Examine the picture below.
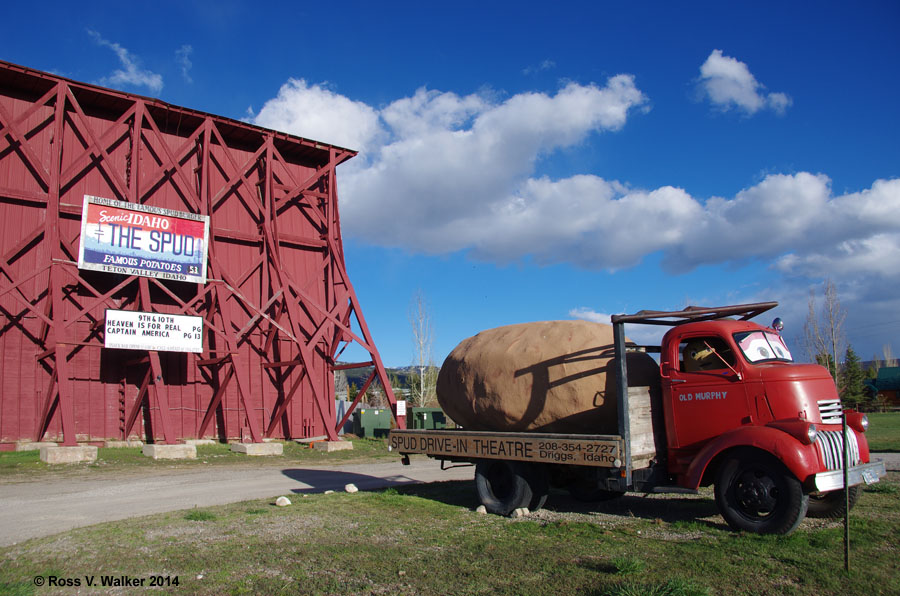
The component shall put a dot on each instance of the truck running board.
(671, 490)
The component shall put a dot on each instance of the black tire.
(539, 481)
(831, 505)
(503, 486)
(756, 493)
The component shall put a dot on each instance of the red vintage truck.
(731, 409)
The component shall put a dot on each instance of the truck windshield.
(759, 346)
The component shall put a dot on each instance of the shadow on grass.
(458, 493)
(669, 509)
(316, 480)
(461, 493)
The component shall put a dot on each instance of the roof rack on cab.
(695, 313)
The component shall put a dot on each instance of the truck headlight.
(812, 433)
(856, 420)
(803, 431)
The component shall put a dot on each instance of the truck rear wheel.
(831, 505)
(504, 486)
(539, 481)
(756, 493)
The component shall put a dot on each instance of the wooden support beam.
(138, 401)
(214, 402)
(355, 402)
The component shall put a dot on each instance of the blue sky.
(532, 161)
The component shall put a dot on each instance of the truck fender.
(802, 460)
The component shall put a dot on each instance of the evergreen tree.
(871, 372)
(825, 359)
(852, 380)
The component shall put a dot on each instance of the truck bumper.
(834, 479)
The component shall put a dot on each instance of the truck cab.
(740, 413)
(718, 376)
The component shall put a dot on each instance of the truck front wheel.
(504, 486)
(831, 505)
(756, 493)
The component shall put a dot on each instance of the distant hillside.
(358, 376)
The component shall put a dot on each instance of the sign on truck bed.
(582, 450)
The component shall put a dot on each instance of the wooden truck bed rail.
(461, 445)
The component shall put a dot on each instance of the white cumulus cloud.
(316, 112)
(131, 73)
(183, 57)
(586, 314)
(728, 83)
(441, 173)
(797, 221)
(640, 334)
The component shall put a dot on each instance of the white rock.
(351, 488)
(282, 501)
(520, 512)
(329, 492)
(482, 510)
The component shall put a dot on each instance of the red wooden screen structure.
(277, 306)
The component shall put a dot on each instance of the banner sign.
(119, 237)
(582, 450)
(135, 330)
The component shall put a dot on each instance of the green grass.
(884, 432)
(427, 540)
(27, 465)
(199, 515)
(626, 564)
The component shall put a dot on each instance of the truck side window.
(699, 354)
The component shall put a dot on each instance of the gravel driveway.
(46, 507)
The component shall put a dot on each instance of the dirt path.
(35, 509)
(891, 460)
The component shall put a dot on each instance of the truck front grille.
(830, 411)
(831, 446)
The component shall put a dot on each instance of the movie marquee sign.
(134, 239)
(134, 330)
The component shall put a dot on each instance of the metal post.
(622, 397)
(846, 466)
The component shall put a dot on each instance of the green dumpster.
(428, 418)
(372, 422)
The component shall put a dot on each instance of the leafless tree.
(889, 359)
(423, 338)
(824, 335)
(340, 384)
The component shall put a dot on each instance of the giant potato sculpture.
(552, 376)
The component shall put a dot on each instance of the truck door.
(704, 391)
